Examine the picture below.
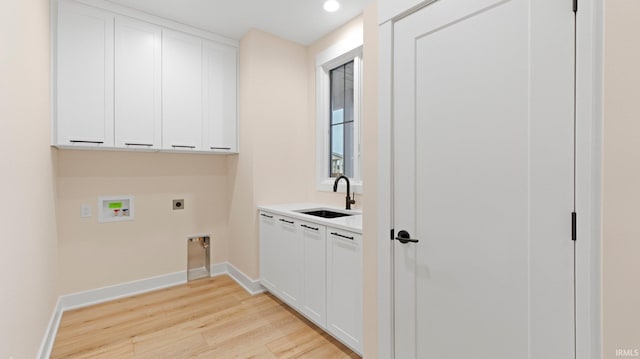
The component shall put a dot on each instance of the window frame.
(331, 58)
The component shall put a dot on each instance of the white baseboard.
(50, 334)
(105, 294)
(252, 286)
(219, 269)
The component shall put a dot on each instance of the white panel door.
(219, 131)
(388, 9)
(138, 81)
(314, 271)
(269, 252)
(483, 126)
(85, 76)
(344, 286)
(181, 91)
(290, 259)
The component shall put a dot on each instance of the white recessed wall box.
(115, 209)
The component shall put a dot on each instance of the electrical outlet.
(85, 211)
(178, 204)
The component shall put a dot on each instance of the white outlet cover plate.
(85, 211)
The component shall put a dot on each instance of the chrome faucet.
(349, 201)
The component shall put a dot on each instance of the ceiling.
(301, 21)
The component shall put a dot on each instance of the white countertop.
(348, 223)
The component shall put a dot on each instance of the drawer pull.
(221, 148)
(139, 144)
(93, 142)
(180, 146)
(308, 227)
(266, 215)
(285, 221)
(340, 235)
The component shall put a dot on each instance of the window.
(341, 121)
(338, 116)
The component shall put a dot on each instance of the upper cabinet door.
(138, 81)
(85, 76)
(181, 91)
(220, 70)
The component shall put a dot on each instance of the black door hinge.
(574, 226)
(575, 5)
(393, 234)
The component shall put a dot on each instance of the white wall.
(28, 270)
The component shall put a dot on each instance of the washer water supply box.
(115, 209)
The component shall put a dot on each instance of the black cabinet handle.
(179, 146)
(285, 221)
(220, 148)
(266, 215)
(93, 142)
(308, 227)
(340, 235)
(139, 144)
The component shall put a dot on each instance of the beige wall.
(94, 254)
(277, 160)
(353, 28)
(621, 176)
(28, 275)
(366, 26)
(273, 160)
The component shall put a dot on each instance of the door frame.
(589, 107)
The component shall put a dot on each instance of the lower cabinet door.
(344, 286)
(289, 258)
(269, 248)
(314, 283)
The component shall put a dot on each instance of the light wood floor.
(208, 318)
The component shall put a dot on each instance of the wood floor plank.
(208, 318)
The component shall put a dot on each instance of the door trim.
(589, 94)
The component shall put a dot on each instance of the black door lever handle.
(404, 237)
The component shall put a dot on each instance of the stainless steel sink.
(325, 213)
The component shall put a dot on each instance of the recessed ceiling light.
(331, 5)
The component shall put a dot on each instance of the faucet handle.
(353, 198)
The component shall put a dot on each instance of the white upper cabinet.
(181, 91)
(138, 81)
(84, 77)
(128, 80)
(220, 69)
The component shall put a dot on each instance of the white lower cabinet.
(314, 284)
(290, 260)
(316, 270)
(269, 244)
(344, 286)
